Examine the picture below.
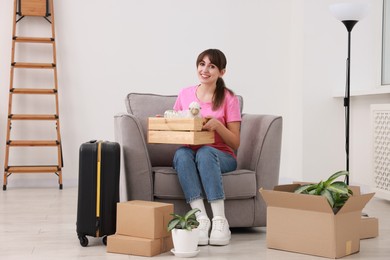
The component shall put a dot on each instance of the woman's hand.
(212, 124)
(229, 134)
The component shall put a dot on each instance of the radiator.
(380, 123)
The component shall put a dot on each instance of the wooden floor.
(41, 224)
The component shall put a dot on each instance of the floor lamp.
(349, 14)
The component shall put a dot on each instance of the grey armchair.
(147, 173)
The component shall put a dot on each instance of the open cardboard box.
(178, 131)
(306, 223)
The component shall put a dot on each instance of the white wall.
(107, 49)
(284, 57)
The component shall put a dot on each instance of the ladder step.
(32, 169)
(33, 91)
(32, 117)
(34, 39)
(33, 143)
(27, 65)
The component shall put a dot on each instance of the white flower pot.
(185, 241)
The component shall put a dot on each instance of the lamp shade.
(349, 11)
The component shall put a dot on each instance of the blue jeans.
(202, 171)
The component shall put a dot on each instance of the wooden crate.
(178, 131)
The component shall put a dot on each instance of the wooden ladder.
(22, 9)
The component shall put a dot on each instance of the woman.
(200, 168)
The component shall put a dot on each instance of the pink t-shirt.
(229, 111)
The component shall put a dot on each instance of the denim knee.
(206, 153)
(182, 154)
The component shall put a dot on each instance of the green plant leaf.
(305, 189)
(190, 213)
(335, 176)
(183, 223)
(328, 195)
(193, 223)
(341, 200)
(175, 215)
(339, 187)
(319, 188)
(192, 217)
(172, 224)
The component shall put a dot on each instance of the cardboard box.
(306, 223)
(369, 227)
(138, 246)
(178, 131)
(143, 219)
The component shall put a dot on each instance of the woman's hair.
(217, 58)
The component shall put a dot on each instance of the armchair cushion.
(238, 184)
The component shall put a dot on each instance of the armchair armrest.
(259, 151)
(136, 181)
(260, 148)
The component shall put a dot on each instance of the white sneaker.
(204, 229)
(220, 233)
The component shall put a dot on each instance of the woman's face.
(208, 73)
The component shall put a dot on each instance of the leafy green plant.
(336, 192)
(188, 221)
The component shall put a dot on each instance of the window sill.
(382, 90)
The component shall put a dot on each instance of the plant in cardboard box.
(336, 192)
(185, 234)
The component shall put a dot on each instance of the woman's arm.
(229, 134)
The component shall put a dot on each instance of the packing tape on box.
(348, 247)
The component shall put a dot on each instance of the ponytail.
(219, 94)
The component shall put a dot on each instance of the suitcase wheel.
(105, 240)
(83, 241)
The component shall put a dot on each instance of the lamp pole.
(349, 24)
(349, 14)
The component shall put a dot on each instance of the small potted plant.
(336, 192)
(185, 235)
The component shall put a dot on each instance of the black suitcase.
(98, 190)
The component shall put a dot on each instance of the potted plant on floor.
(336, 192)
(185, 235)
